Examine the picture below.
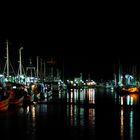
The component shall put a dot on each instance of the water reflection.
(131, 124)
(73, 115)
(130, 99)
(81, 118)
(81, 96)
(127, 124)
(100, 97)
(91, 95)
(122, 124)
(111, 107)
(74, 120)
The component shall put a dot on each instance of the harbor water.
(76, 113)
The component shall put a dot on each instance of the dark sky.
(86, 41)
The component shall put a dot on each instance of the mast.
(31, 71)
(44, 70)
(20, 62)
(7, 56)
(7, 64)
(51, 63)
(63, 71)
(37, 67)
(41, 73)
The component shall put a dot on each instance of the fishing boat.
(4, 104)
(16, 95)
(126, 83)
(28, 97)
(4, 99)
(127, 90)
(16, 101)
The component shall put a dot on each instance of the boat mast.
(44, 70)
(37, 65)
(31, 71)
(7, 64)
(63, 71)
(7, 56)
(51, 62)
(20, 62)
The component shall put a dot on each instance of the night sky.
(89, 42)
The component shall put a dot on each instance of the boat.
(16, 95)
(4, 99)
(28, 98)
(4, 104)
(127, 90)
(125, 83)
(17, 101)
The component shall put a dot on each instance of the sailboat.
(4, 96)
(4, 104)
(13, 89)
(123, 83)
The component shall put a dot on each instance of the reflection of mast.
(122, 124)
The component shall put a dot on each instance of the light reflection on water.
(81, 96)
(131, 124)
(76, 120)
(127, 100)
(122, 124)
(91, 96)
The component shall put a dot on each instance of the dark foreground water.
(80, 114)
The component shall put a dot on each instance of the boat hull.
(17, 101)
(125, 91)
(4, 104)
